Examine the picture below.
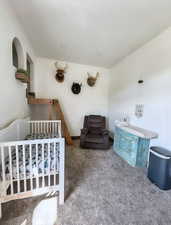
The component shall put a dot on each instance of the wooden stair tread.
(42, 101)
(22, 77)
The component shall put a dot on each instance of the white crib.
(31, 167)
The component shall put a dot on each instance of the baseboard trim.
(78, 137)
(75, 137)
(111, 138)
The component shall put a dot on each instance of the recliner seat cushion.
(94, 138)
(95, 131)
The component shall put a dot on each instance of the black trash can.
(159, 168)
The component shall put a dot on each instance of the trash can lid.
(161, 151)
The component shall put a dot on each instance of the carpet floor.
(101, 189)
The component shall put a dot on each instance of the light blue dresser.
(132, 148)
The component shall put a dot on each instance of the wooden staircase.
(53, 105)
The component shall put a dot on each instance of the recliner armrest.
(105, 132)
(84, 131)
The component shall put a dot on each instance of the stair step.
(53, 104)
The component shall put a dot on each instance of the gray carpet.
(101, 189)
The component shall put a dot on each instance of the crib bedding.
(41, 136)
(32, 169)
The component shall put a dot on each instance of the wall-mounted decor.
(17, 54)
(60, 71)
(22, 75)
(76, 88)
(92, 80)
(139, 110)
(140, 81)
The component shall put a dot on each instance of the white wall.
(152, 63)
(12, 92)
(91, 100)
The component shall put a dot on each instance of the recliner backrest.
(94, 123)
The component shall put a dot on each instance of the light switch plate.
(139, 110)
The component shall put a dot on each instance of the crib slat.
(10, 164)
(37, 166)
(24, 168)
(33, 128)
(43, 127)
(43, 160)
(48, 164)
(53, 128)
(46, 128)
(56, 128)
(48, 124)
(40, 127)
(61, 170)
(31, 180)
(30, 130)
(17, 164)
(3, 164)
(54, 155)
(59, 129)
(37, 127)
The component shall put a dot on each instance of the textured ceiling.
(94, 32)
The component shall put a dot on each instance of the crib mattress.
(45, 164)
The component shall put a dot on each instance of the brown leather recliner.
(94, 135)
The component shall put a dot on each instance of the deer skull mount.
(92, 80)
(76, 88)
(60, 71)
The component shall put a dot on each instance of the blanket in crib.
(45, 164)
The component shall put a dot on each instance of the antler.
(66, 67)
(61, 66)
(56, 64)
(88, 74)
(97, 75)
